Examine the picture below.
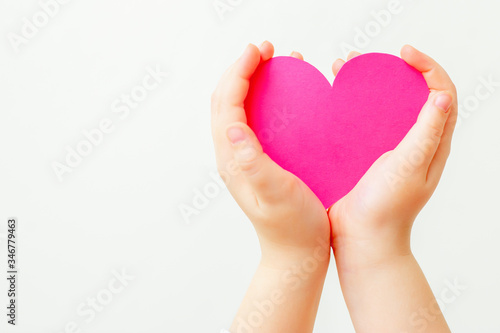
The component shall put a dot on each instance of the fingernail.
(262, 44)
(443, 101)
(236, 135)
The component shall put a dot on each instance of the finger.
(297, 55)
(229, 96)
(435, 76)
(416, 151)
(233, 86)
(259, 172)
(353, 54)
(438, 80)
(443, 152)
(266, 50)
(337, 65)
(228, 99)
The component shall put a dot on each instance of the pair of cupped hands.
(372, 223)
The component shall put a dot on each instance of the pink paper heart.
(326, 135)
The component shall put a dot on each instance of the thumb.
(420, 144)
(263, 175)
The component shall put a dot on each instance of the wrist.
(362, 250)
(308, 258)
(297, 274)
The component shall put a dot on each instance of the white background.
(119, 209)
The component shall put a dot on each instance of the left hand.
(290, 221)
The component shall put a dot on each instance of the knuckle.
(426, 147)
(247, 159)
(249, 166)
(435, 131)
(253, 166)
(435, 126)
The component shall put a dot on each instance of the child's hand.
(383, 285)
(378, 213)
(291, 223)
(289, 219)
